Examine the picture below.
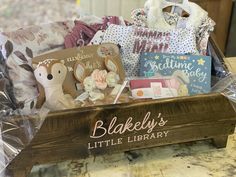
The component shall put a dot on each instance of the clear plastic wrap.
(16, 129)
(219, 69)
(18, 122)
(6, 92)
(227, 87)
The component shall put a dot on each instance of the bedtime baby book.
(193, 71)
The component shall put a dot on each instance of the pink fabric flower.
(100, 78)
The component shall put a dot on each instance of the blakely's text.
(130, 131)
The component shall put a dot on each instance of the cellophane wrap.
(16, 130)
(227, 87)
(219, 69)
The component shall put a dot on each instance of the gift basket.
(94, 86)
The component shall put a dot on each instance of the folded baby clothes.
(18, 49)
(134, 40)
(203, 35)
(139, 17)
(80, 35)
(97, 38)
(154, 17)
(83, 32)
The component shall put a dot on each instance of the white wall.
(111, 7)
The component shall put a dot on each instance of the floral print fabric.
(20, 46)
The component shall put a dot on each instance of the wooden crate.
(79, 133)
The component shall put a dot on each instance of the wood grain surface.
(65, 135)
